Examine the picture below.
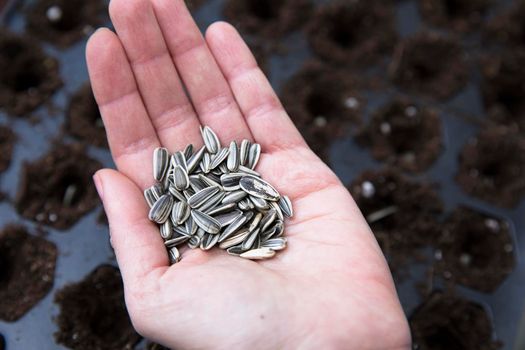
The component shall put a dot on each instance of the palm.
(330, 285)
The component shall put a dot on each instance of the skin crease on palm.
(330, 289)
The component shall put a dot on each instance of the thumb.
(136, 240)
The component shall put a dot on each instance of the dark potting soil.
(7, 142)
(58, 189)
(476, 250)
(503, 89)
(508, 27)
(410, 213)
(353, 32)
(415, 68)
(93, 313)
(404, 134)
(83, 119)
(28, 77)
(267, 18)
(324, 104)
(459, 15)
(28, 271)
(447, 322)
(492, 166)
(64, 22)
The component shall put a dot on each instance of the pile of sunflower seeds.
(214, 197)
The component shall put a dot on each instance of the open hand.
(330, 289)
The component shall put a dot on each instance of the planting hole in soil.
(7, 141)
(402, 213)
(28, 270)
(324, 104)
(57, 189)
(354, 32)
(416, 69)
(492, 166)
(269, 18)
(502, 87)
(447, 322)
(460, 15)
(63, 22)
(83, 119)
(477, 250)
(28, 77)
(404, 134)
(93, 313)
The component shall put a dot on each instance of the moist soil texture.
(448, 322)
(415, 68)
(267, 18)
(508, 27)
(503, 88)
(324, 103)
(402, 213)
(28, 77)
(28, 271)
(353, 32)
(404, 134)
(7, 142)
(83, 119)
(57, 190)
(64, 22)
(477, 250)
(492, 166)
(459, 15)
(93, 313)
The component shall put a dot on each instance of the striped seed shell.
(194, 242)
(259, 203)
(200, 233)
(235, 239)
(160, 163)
(206, 222)
(212, 202)
(179, 229)
(222, 208)
(209, 181)
(150, 197)
(259, 188)
(174, 255)
(268, 218)
(243, 151)
(248, 171)
(233, 157)
(234, 197)
(205, 163)
(230, 182)
(166, 230)
(275, 206)
(254, 155)
(180, 178)
(235, 250)
(245, 204)
(175, 193)
(255, 222)
(157, 190)
(196, 183)
(223, 168)
(190, 226)
(227, 218)
(202, 196)
(180, 212)
(250, 240)
(195, 159)
(258, 254)
(232, 228)
(275, 243)
(188, 151)
(219, 157)
(161, 210)
(211, 141)
(286, 206)
(176, 241)
(188, 193)
(209, 241)
(178, 158)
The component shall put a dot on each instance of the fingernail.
(99, 186)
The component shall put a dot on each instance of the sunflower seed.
(176, 241)
(179, 229)
(254, 155)
(259, 188)
(196, 184)
(286, 206)
(208, 181)
(188, 151)
(230, 182)
(222, 209)
(195, 159)
(233, 227)
(255, 222)
(180, 212)
(180, 178)
(243, 152)
(211, 141)
(160, 163)
(157, 190)
(245, 204)
(150, 197)
(205, 163)
(235, 251)
(258, 254)
(166, 230)
(175, 193)
(206, 222)
(250, 240)
(200, 233)
(235, 239)
(248, 171)
(274, 231)
(202, 196)
(259, 203)
(174, 255)
(219, 158)
(160, 211)
(178, 158)
(228, 218)
(268, 219)
(194, 242)
(212, 202)
(275, 243)
(209, 241)
(275, 206)
(188, 193)
(223, 168)
(233, 157)
(234, 197)
(190, 226)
